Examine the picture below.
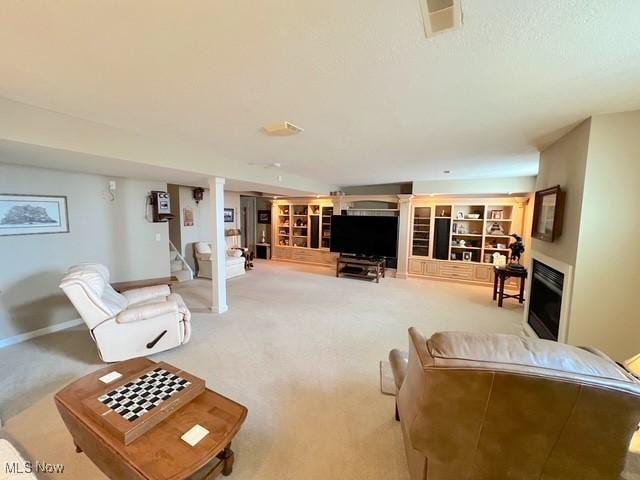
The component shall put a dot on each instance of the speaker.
(441, 238)
(315, 231)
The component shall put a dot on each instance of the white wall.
(564, 163)
(201, 229)
(598, 166)
(606, 301)
(114, 233)
(476, 186)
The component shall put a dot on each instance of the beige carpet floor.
(298, 347)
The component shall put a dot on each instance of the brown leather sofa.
(491, 407)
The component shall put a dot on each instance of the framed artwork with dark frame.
(229, 215)
(33, 214)
(547, 214)
(264, 216)
(496, 215)
(467, 256)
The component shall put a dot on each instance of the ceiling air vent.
(440, 16)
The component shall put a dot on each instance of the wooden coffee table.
(160, 453)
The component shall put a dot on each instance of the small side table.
(263, 250)
(501, 274)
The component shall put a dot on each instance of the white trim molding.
(567, 289)
(23, 337)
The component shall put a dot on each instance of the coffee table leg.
(78, 449)
(495, 284)
(501, 290)
(227, 456)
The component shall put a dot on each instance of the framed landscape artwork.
(33, 214)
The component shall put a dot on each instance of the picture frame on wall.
(547, 214)
(188, 217)
(229, 215)
(264, 216)
(33, 214)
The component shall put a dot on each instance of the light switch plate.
(158, 237)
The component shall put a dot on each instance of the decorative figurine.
(495, 229)
(517, 248)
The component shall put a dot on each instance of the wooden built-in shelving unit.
(477, 228)
(302, 231)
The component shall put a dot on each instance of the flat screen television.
(365, 235)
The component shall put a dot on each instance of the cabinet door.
(482, 273)
(416, 267)
(431, 268)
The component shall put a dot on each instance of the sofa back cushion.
(529, 356)
(91, 295)
(203, 248)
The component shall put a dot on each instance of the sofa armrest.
(399, 361)
(147, 293)
(146, 312)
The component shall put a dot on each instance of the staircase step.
(182, 275)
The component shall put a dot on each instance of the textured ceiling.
(378, 101)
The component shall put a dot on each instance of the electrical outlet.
(158, 237)
(112, 185)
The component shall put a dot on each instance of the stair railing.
(185, 265)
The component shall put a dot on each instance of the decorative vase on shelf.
(262, 238)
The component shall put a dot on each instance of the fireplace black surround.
(545, 300)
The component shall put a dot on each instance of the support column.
(404, 220)
(218, 246)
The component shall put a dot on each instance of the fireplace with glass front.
(545, 300)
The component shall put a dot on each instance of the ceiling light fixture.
(266, 165)
(440, 16)
(282, 129)
(447, 172)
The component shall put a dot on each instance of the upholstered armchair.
(133, 324)
(234, 261)
(491, 407)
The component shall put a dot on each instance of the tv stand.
(361, 267)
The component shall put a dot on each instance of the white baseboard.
(23, 337)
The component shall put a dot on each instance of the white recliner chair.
(135, 323)
(234, 261)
